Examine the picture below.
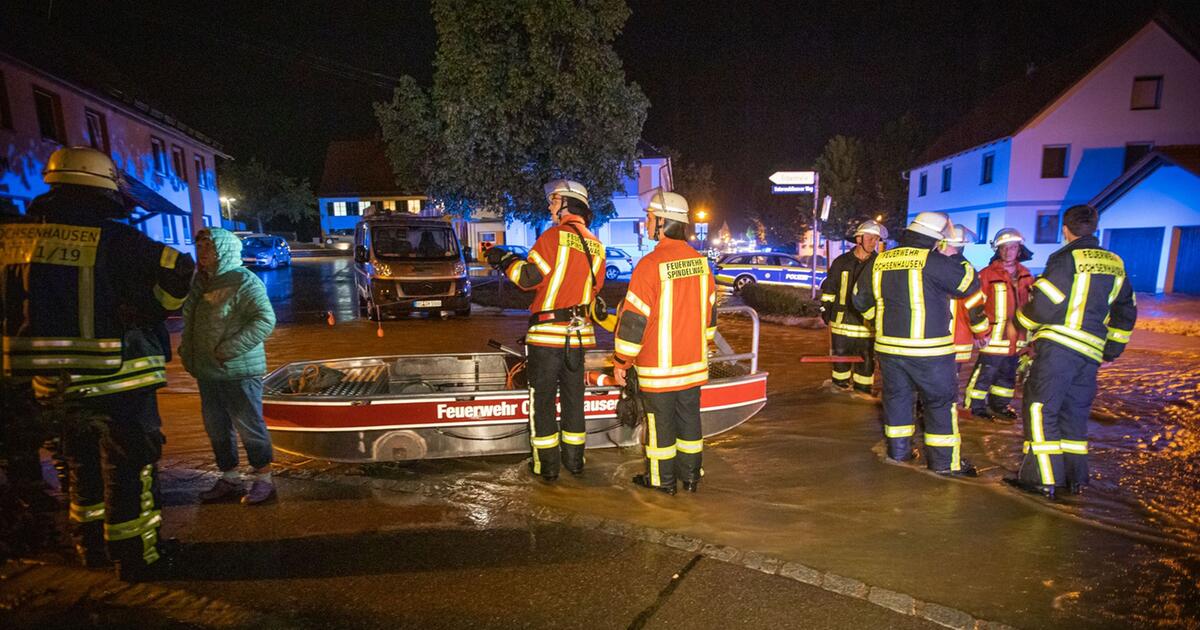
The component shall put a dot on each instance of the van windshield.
(414, 242)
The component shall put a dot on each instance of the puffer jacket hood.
(229, 248)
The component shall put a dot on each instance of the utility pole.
(815, 234)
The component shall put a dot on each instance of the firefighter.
(848, 334)
(968, 320)
(1081, 314)
(907, 292)
(663, 329)
(565, 268)
(87, 324)
(1006, 282)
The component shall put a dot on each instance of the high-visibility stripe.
(514, 271)
(637, 303)
(666, 309)
(710, 333)
(1116, 288)
(560, 340)
(659, 383)
(1049, 290)
(627, 348)
(876, 312)
(1025, 321)
(967, 277)
(850, 330)
(145, 526)
(914, 352)
(861, 379)
(547, 441)
(972, 393)
(1118, 335)
(1074, 447)
(168, 257)
(1038, 433)
(87, 302)
(1001, 312)
(916, 299)
(556, 279)
(674, 370)
(168, 301)
(915, 343)
(845, 281)
(87, 513)
(541, 263)
(825, 297)
(841, 376)
(899, 431)
(652, 440)
(74, 344)
(1077, 305)
(660, 452)
(1082, 336)
(1044, 448)
(979, 327)
(537, 461)
(1006, 392)
(956, 453)
(975, 299)
(689, 446)
(576, 439)
(935, 439)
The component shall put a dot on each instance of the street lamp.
(228, 201)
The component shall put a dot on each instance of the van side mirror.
(360, 253)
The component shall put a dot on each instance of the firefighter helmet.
(82, 166)
(567, 188)
(1006, 236)
(931, 224)
(666, 205)
(871, 226)
(958, 235)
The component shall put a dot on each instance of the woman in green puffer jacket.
(226, 319)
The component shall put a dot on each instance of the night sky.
(750, 87)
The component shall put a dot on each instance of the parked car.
(519, 250)
(265, 250)
(341, 238)
(739, 270)
(408, 264)
(617, 262)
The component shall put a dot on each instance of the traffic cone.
(329, 318)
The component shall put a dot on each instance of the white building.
(1059, 137)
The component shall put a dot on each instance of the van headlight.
(460, 269)
(383, 270)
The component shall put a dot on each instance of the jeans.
(235, 405)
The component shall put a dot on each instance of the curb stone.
(901, 603)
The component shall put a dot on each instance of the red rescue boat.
(410, 407)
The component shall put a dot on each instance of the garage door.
(1140, 248)
(1187, 265)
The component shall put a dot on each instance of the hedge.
(779, 300)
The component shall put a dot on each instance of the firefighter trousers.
(863, 374)
(112, 444)
(556, 373)
(674, 441)
(992, 382)
(1057, 402)
(934, 381)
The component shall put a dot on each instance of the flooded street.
(804, 480)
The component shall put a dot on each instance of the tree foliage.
(264, 194)
(693, 180)
(785, 219)
(524, 91)
(844, 174)
(891, 153)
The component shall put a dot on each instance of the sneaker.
(261, 491)
(223, 490)
(644, 481)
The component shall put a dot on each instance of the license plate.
(427, 303)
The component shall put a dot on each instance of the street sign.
(794, 178)
(792, 189)
(828, 203)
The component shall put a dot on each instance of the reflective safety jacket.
(907, 291)
(667, 318)
(557, 269)
(1005, 294)
(837, 292)
(86, 297)
(1083, 301)
(967, 319)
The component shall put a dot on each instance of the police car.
(738, 270)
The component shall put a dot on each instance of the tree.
(845, 177)
(785, 219)
(891, 153)
(264, 193)
(524, 91)
(693, 180)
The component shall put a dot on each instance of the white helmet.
(931, 224)
(871, 226)
(958, 235)
(666, 205)
(1005, 236)
(567, 188)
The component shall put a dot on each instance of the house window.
(187, 230)
(201, 171)
(1135, 151)
(989, 165)
(158, 150)
(947, 171)
(5, 112)
(337, 209)
(1147, 93)
(168, 233)
(981, 227)
(390, 205)
(414, 206)
(97, 130)
(49, 115)
(207, 221)
(1054, 161)
(923, 184)
(363, 206)
(178, 162)
(1048, 230)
